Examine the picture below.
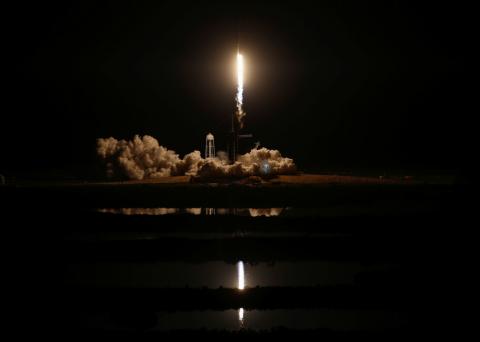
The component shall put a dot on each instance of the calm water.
(215, 274)
(253, 212)
(331, 210)
(337, 320)
(267, 319)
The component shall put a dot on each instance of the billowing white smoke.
(143, 158)
(257, 162)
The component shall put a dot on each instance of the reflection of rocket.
(241, 275)
(241, 286)
(240, 317)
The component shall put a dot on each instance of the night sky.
(339, 86)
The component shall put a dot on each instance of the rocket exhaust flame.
(239, 97)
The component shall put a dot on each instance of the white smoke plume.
(143, 158)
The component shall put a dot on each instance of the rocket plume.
(239, 97)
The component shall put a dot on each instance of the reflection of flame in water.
(240, 317)
(241, 286)
(241, 275)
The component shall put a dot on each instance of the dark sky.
(334, 86)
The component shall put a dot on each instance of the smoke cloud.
(143, 158)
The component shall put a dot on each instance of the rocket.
(237, 116)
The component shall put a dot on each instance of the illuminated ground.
(303, 179)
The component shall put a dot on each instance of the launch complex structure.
(234, 139)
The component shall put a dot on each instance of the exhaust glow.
(239, 96)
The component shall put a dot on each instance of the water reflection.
(241, 286)
(215, 274)
(193, 211)
(209, 211)
(140, 211)
(300, 319)
(241, 275)
(253, 212)
(240, 317)
(268, 212)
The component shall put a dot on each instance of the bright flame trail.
(241, 275)
(239, 96)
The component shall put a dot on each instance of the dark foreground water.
(199, 285)
(215, 274)
(351, 259)
(234, 320)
